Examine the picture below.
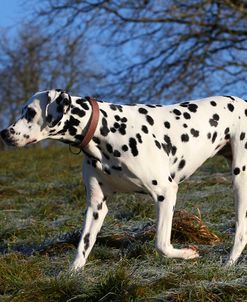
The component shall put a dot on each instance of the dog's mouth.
(13, 143)
(10, 142)
(31, 142)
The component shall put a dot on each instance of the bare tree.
(160, 50)
(33, 62)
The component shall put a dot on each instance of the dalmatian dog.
(141, 148)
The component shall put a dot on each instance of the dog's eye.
(30, 114)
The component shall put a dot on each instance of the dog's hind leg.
(165, 198)
(95, 214)
(240, 195)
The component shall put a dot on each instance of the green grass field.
(42, 198)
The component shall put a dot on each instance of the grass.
(42, 197)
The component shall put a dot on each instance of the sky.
(11, 12)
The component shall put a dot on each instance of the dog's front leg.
(166, 200)
(95, 214)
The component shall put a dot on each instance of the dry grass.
(190, 227)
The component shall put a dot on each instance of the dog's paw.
(77, 266)
(229, 263)
(190, 252)
(185, 253)
(193, 247)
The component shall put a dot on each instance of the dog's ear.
(58, 104)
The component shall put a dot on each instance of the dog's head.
(41, 117)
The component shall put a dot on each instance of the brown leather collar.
(92, 123)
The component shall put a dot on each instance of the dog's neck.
(79, 115)
(78, 125)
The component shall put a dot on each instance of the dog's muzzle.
(6, 137)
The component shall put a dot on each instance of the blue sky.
(11, 12)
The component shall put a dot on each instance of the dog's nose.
(4, 133)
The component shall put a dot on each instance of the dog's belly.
(120, 182)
